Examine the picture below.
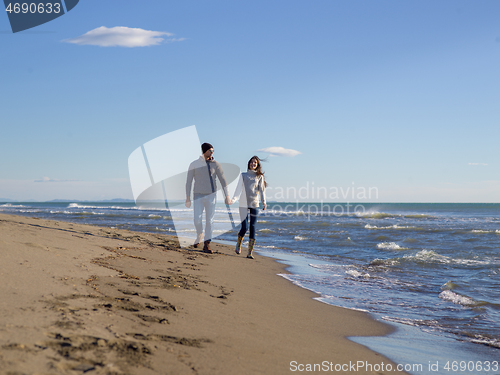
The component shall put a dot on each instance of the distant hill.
(120, 200)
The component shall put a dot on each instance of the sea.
(430, 270)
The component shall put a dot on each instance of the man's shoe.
(206, 248)
(198, 240)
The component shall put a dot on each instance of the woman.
(251, 185)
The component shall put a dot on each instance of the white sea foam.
(432, 256)
(358, 274)
(77, 205)
(474, 262)
(299, 238)
(219, 231)
(429, 256)
(395, 226)
(384, 262)
(425, 256)
(412, 322)
(268, 247)
(480, 231)
(389, 246)
(479, 339)
(266, 230)
(75, 213)
(457, 299)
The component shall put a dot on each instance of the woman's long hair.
(258, 170)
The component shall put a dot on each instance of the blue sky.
(401, 96)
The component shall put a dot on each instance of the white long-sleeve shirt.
(254, 187)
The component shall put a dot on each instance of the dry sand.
(83, 299)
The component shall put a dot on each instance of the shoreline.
(89, 299)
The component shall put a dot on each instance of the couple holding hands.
(250, 188)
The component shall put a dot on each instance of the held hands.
(229, 201)
(264, 206)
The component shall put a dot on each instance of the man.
(204, 172)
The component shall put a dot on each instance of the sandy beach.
(85, 299)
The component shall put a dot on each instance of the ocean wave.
(156, 216)
(419, 216)
(449, 285)
(410, 240)
(219, 231)
(299, 238)
(412, 322)
(268, 247)
(223, 211)
(395, 226)
(423, 256)
(429, 256)
(474, 262)
(489, 341)
(266, 230)
(459, 299)
(390, 246)
(193, 230)
(481, 231)
(375, 215)
(329, 268)
(77, 205)
(81, 213)
(358, 274)
(384, 262)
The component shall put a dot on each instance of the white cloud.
(120, 36)
(280, 151)
(477, 164)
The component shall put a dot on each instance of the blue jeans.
(204, 202)
(254, 212)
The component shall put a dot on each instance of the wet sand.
(84, 299)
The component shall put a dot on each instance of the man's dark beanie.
(205, 147)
